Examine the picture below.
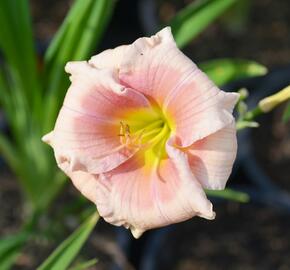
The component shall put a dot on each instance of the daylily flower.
(142, 132)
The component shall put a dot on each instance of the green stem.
(246, 121)
(251, 115)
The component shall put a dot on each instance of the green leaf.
(17, 45)
(63, 256)
(229, 194)
(242, 108)
(194, 18)
(5, 96)
(10, 248)
(223, 71)
(60, 48)
(9, 153)
(242, 124)
(77, 38)
(84, 265)
(236, 18)
(286, 115)
(20, 99)
(93, 29)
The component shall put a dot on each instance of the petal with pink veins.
(195, 106)
(86, 134)
(196, 115)
(141, 199)
(111, 58)
(211, 159)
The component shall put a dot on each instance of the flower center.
(147, 130)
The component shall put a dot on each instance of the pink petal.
(85, 136)
(139, 199)
(197, 115)
(86, 183)
(158, 69)
(111, 58)
(150, 65)
(211, 159)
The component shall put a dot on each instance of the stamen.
(125, 136)
(122, 134)
(145, 137)
(127, 129)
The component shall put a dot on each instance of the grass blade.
(85, 265)
(9, 153)
(10, 248)
(194, 18)
(229, 194)
(16, 42)
(223, 71)
(59, 37)
(99, 17)
(79, 35)
(63, 256)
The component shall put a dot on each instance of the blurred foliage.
(237, 16)
(223, 71)
(286, 115)
(10, 248)
(31, 98)
(84, 265)
(65, 253)
(78, 36)
(229, 194)
(194, 18)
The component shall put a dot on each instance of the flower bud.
(269, 103)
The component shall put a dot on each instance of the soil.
(246, 236)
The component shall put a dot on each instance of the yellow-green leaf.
(194, 18)
(65, 253)
(225, 70)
